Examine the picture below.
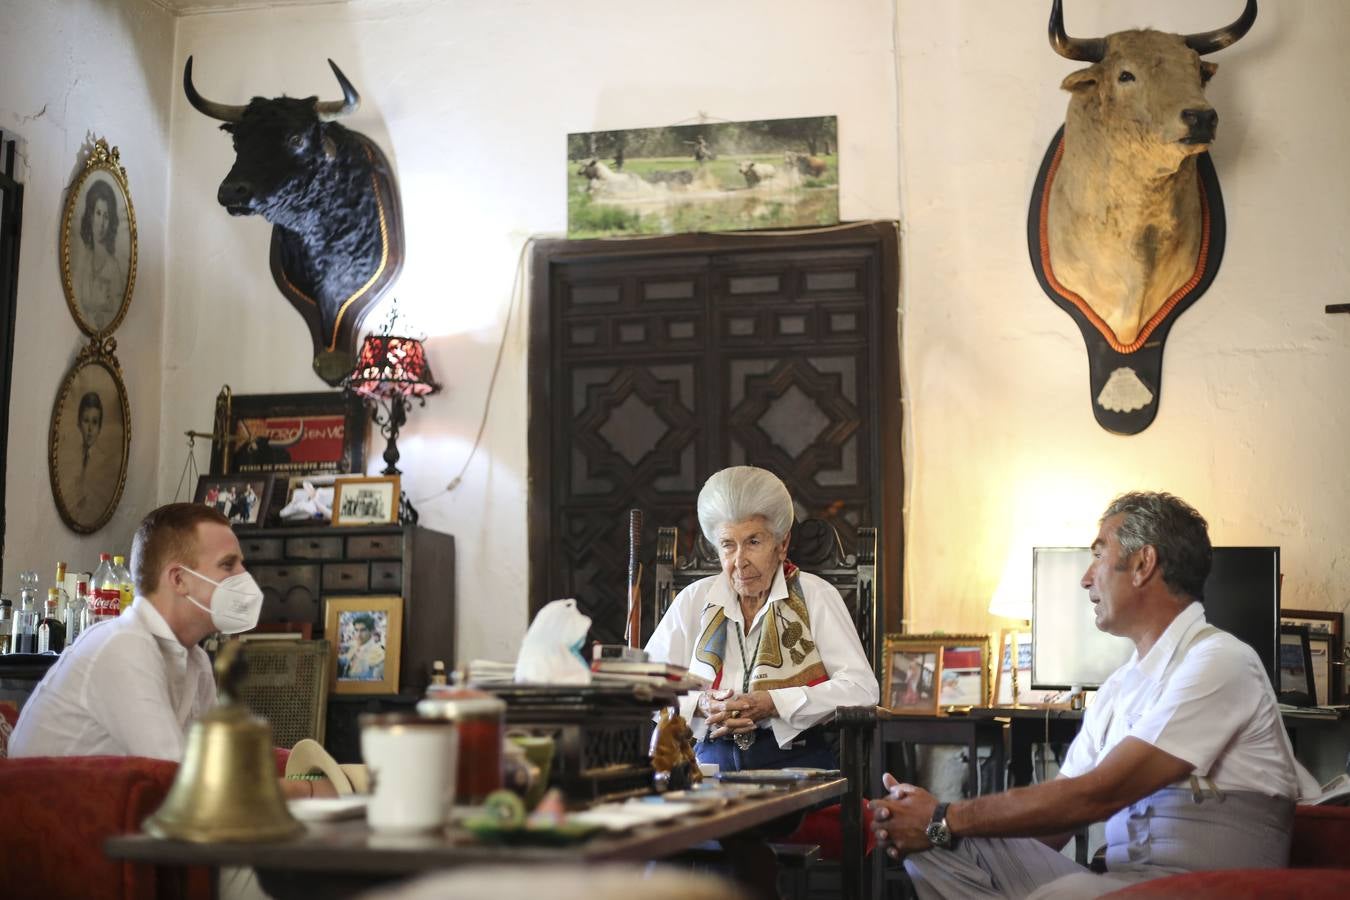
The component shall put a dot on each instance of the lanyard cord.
(748, 665)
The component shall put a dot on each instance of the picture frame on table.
(366, 637)
(372, 500)
(1295, 666)
(1326, 643)
(98, 243)
(1016, 692)
(323, 432)
(913, 675)
(966, 676)
(243, 499)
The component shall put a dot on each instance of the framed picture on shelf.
(243, 499)
(289, 434)
(913, 675)
(1014, 689)
(366, 501)
(1296, 664)
(1327, 646)
(965, 670)
(366, 636)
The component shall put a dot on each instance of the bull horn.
(209, 107)
(329, 110)
(1209, 41)
(1081, 49)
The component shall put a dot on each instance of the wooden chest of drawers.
(298, 568)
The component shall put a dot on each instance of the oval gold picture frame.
(98, 244)
(90, 439)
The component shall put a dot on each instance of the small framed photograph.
(1327, 648)
(243, 499)
(309, 499)
(913, 674)
(1010, 691)
(1296, 664)
(965, 671)
(366, 501)
(366, 636)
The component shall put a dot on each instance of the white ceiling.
(192, 7)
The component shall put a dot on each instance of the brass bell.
(227, 787)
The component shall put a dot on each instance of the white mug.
(412, 764)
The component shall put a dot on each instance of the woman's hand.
(740, 713)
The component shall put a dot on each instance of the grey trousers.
(1014, 868)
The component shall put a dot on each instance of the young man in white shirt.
(130, 686)
(1183, 753)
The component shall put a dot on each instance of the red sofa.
(56, 813)
(1319, 861)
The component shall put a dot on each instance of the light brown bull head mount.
(331, 196)
(1126, 226)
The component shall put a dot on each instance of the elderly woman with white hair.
(776, 643)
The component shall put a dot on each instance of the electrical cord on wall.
(516, 287)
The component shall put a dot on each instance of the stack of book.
(657, 674)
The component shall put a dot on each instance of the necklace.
(745, 739)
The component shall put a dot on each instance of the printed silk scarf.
(787, 654)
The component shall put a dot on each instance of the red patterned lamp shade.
(391, 372)
(391, 365)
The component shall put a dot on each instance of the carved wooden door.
(654, 363)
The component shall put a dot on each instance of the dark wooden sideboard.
(298, 568)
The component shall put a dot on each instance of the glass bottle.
(26, 615)
(63, 596)
(6, 623)
(124, 582)
(51, 632)
(77, 613)
(107, 599)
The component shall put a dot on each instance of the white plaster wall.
(1002, 450)
(472, 102)
(70, 72)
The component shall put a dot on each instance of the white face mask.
(235, 605)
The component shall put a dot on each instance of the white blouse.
(851, 681)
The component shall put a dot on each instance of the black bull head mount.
(1126, 224)
(331, 196)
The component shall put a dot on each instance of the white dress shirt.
(851, 681)
(1201, 695)
(126, 687)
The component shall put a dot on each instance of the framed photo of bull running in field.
(724, 176)
(290, 434)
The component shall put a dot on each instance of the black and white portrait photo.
(98, 246)
(366, 501)
(88, 444)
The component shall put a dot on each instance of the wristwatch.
(937, 832)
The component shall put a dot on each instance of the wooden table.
(344, 858)
(865, 732)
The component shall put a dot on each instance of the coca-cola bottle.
(107, 600)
